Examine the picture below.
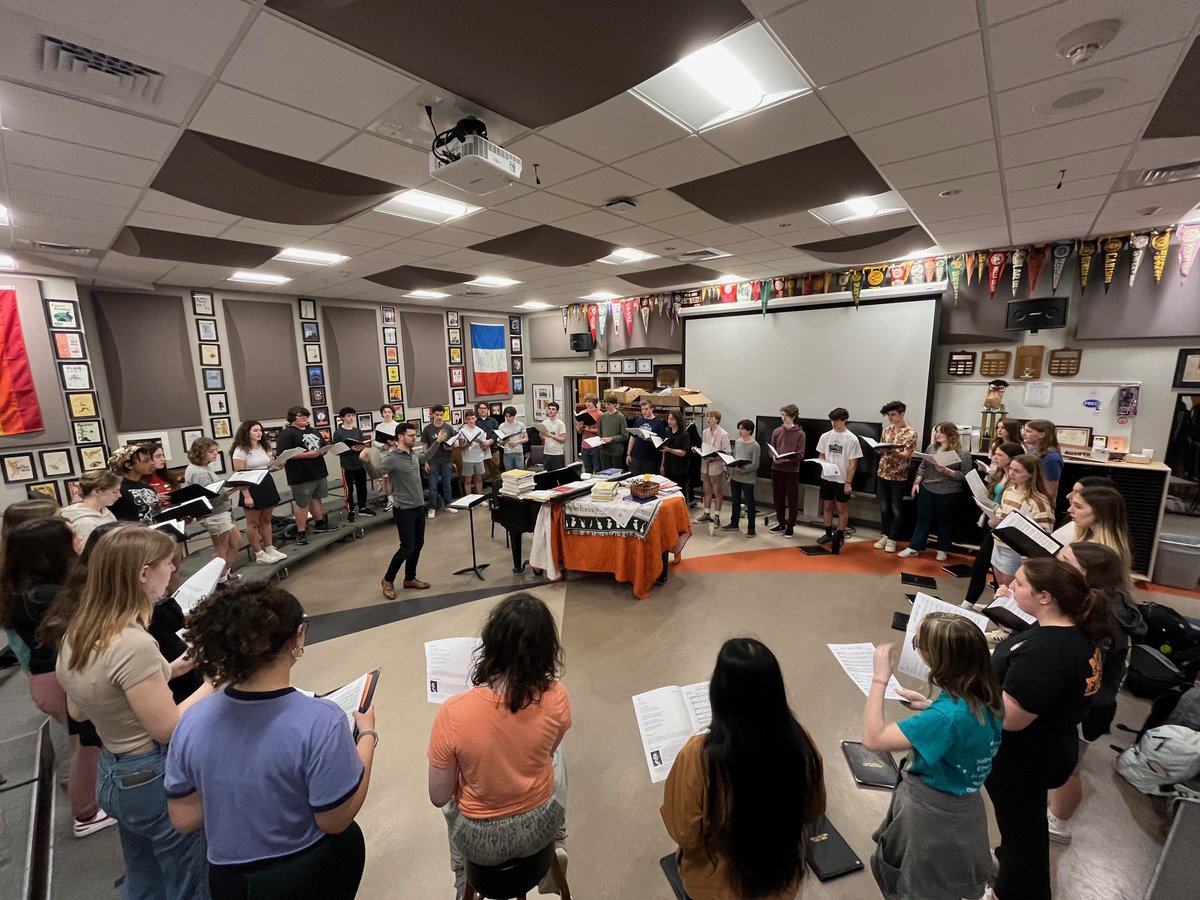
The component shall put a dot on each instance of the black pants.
(330, 869)
(643, 466)
(355, 480)
(744, 492)
(943, 507)
(891, 513)
(980, 568)
(786, 489)
(410, 525)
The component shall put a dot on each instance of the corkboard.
(994, 363)
(1028, 366)
(1064, 363)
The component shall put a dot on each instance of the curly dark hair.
(521, 653)
(236, 631)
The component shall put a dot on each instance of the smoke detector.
(1079, 46)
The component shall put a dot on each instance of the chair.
(536, 456)
(514, 879)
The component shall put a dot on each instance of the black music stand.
(475, 566)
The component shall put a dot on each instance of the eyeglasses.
(915, 645)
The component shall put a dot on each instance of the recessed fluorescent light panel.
(310, 257)
(493, 281)
(426, 207)
(625, 256)
(732, 78)
(600, 295)
(534, 304)
(426, 295)
(860, 208)
(7, 263)
(258, 278)
(4, 219)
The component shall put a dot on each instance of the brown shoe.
(416, 584)
(389, 589)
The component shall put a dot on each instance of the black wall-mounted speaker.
(1031, 315)
(583, 342)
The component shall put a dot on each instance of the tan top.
(99, 690)
(683, 813)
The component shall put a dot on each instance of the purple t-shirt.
(263, 763)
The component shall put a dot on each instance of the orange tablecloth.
(628, 557)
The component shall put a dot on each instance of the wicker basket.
(643, 488)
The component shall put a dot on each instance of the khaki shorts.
(472, 468)
(717, 480)
(218, 523)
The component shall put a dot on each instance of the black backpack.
(1167, 630)
(1151, 674)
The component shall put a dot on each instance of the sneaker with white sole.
(907, 552)
(942, 556)
(451, 509)
(890, 546)
(262, 557)
(276, 554)
(431, 514)
(389, 505)
(1060, 829)
(98, 822)
(882, 542)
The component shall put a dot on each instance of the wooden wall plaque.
(994, 363)
(961, 363)
(1028, 366)
(1064, 363)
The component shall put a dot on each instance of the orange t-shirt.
(503, 758)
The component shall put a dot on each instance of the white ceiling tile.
(972, 222)
(1084, 206)
(50, 115)
(421, 249)
(593, 222)
(297, 231)
(265, 234)
(388, 224)
(1134, 79)
(932, 213)
(615, 129)
(1053, 229)
(915, 85)
(956, 126)
(454, 236)
(792, 125)
(973, 240)
(653, 206)
(75, 159)
(677, 162)
(66, 230)
(1002, 10)
(754, 245)
(84, 211)
(1166, 195)
(239, 116)
(764, 8)
(497, 224)
(882, 32)
(1022, 50)
(539, 206)
(598, 187)
(133, 266)
(158, 202)
(1165, 152)
(986, 186)
(284, 62)
(1117, 220)
(1081, 165)
(57, 184)
(636, 235)
(197, 275)
(794, 228)
(178, 224)
(343, 236)
(385, 160)
(877, 223)
(690, 223)
(1071, 190)
(1096, 133)
(719, 237)
(973, 159)
(554, 162)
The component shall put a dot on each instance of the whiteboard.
(859, 358)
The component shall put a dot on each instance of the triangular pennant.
(1189, 242)
(930, 265)
(601, 321)
(939, 269)
(1160, 241)
(957, 265)
(899, 272)
(1061, 253)
(856, 281)
(1112, 247)
(564, 318)
(875, 276)
(1137, 246)
(980, 265)
(996, 261)
(617, 305)
(658, 303)
(628, 308)
(645, 314)
(969, 266)
(592, 315)
(918, 274)
(1035, 262)
(1018, 264)
(1087, 252)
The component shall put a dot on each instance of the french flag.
(490, 360)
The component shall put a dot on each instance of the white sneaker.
(882, 542)
(1060, 829)
(890, 546)
(431, 514)
(451, 509)
(388, 506)
(98, 822)
(907, 552)
(264, 558)
(276, 554)
(941, 556)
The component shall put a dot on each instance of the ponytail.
(1086, 607)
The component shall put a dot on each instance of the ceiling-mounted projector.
(464, 158)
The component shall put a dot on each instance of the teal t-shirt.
(952, 750)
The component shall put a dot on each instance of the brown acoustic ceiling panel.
(415, 278)
(261, 184)
(150, 243)
(548, 245)
(1178, 115)
(874, 246)
(803, 179)
(670, 276)
(535, 62)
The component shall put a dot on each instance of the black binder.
(1023, 543)
(829, 856)
(921, 581)
(961, 570)
(1005, 618)
(869, 767)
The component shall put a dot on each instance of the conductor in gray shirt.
(403, 463)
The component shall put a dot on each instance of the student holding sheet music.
(641, 456)
(226, 537)
(1048, 674)
(613, 433)
(787, 441)
(512, 437)
(587, 425)
(891, 473)
(841, 447)
(1097, 514)
(712, 468)
(306, 472)
(477, 444)
(354, 470)
(741, 795)
(1107, 573)
(933, 843)
(252, 452)
(997, 477)
(438, 465)
(139, 501)
(485, 420)
(1025, 491)
(554, 437)
(100, 490)
(273, 777)
(938, 489)
(496, 769)
(675, 451)
(743, 478)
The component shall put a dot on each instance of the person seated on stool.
(495, 767)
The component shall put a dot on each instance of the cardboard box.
(681, 397)
(625, 396)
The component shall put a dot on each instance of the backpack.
(1150, 673)
(1167, 630)
(1162, 757)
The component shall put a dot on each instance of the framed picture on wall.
(454, 337)
(645, 366)
(427, 414)
(210, 354)
(458, 376)
(389, 315)
(393, 374)
(18, 468)
(308, 309)
(326, 434)
(312, 353)
(74, 490)
(629, 367)
(316, 376)
(602, 367)
(89, 432)
(452, 319)
(76, 376)
(1187, 370)
(82, 405)
(316, 396)
(614, 367)
(389, 336)
(222, 427)
(56, 463)
(456, 356)
(396, 395)
(62, 313)
(391, 355)
(190, 436)
(458, 397)
(218, 465)
(47, 489)
(202, 303)
(92, 458)
(518, 385)
(310, 332)
(456, 417)
(218, 404)
(518, 365)
(206, 330)
(1075, 435)
(496, 410)
(514, 324)
(514, 346)
(69, 345)
(320, 417)
(366, 422)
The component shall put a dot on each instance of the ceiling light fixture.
(426, 207)
(7, 263)
(721, 74)
(258, 278)
(953, 192)
(426, 295)
(4, 219)
(534, 304)
(626, 255)
(310, 257)
(860, 208)
(600, 295)
(493, 281)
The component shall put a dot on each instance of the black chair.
(514, 879)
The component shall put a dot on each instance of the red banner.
(1035, 262)
(996, 261)
(628, 307)
(592, 314)
(19, 409)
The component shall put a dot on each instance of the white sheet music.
(829, 472)
(858, 661)
(449, 663)
(667, 717)
(199, 586)
(979, 493)
(1006, 601)
(911, 662)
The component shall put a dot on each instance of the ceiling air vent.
(704, 253)
(99, 71)
(59, 249)
(1128, 181)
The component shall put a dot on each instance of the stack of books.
(604, 490)
(516, 483)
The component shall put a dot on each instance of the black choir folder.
(869, 767)
(829, 856)
(1025, 536)
(922, 581)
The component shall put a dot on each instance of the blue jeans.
(160, 863)
(443, 473)
(743, 493)
(514, 459)
(945, 508)
(591, 460)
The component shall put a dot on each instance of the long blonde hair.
(959, 662)
(1035, 489)
(1111, 525)
(113, 598)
